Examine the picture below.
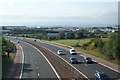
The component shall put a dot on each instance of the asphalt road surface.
(35, 65)
(88, 69)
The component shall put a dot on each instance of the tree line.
(63, 35)
(110, 48)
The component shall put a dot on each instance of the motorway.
(35, 65)
(87, 69)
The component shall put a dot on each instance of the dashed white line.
(68, 63)
(35, 62)
(33, 55)
(86, 65)
(47, 61)
(37, 67)
(34, 58)
(95, 61)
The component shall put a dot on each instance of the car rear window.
(60, 51)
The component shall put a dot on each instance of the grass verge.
(95, 52)
(7, 62)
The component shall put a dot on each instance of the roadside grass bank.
(6, 63)
(7, 59)
(81, 42)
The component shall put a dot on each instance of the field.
(72, 42)
(95, 52)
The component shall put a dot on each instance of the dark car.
(101, 76)
(35, 40)
(87, 60)
(74, 60)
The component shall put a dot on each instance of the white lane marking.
(34, 58)
(109, 67)
(86, 65)
(21, 73)
(68, 63)
(35, 62)
(33, 55)
(93, 60)
(103, 65)
(37, 67)
(47, 61)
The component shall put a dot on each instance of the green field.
(95, 52)
(72, 42)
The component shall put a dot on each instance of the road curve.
(88, 69)
(35, 65)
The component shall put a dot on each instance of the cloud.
(58, 11)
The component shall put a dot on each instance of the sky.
(58, 12)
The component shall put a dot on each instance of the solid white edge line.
(68, 63)
(21, 72)
(47, 61)
(103, 65)
(93, 60)
(22, 63)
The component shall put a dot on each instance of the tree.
(91, 35)
(96, 43)
(79, 35)
(70, 35)
(3, 28)
(7, 47)
(113, 46)
(61, 35)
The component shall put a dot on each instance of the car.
(87, 60)
(101, 76)
(35, 40)
(74, 60)
(73, 52)
(60, 52)
(18, 41)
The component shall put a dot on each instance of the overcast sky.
(58, 12)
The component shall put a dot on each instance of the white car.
(60, 52)
(18, 41)
(73, 52)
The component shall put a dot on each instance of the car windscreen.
(88, 58)
(73, 50)
(73, 59)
